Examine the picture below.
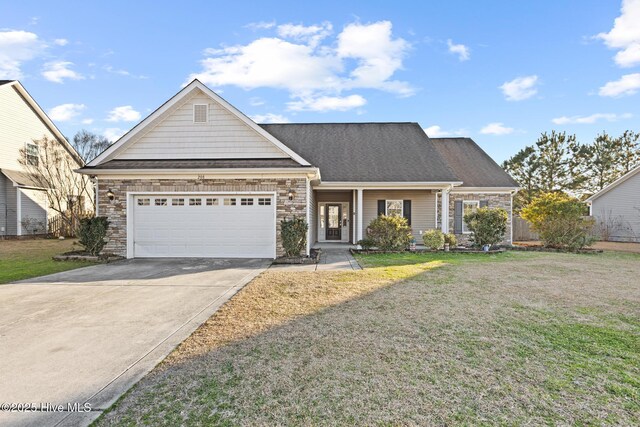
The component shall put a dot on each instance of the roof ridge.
(342, 123)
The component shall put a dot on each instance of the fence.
(522, 230)
(59, 226)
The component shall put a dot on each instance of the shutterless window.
(468, 206)
(200, 113)
(230, 202)
(177, 202)
(161, 202)
(195, 202)
(31, 152)
(212, 202)
(246, 202)
(394, 207)
(264, 201)
(143, 202)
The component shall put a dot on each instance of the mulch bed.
(429, 251)
(313, 258)
(85, 256)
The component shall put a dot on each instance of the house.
(198, 178)
(616, 208)
(24, 206)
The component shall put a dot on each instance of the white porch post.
(445, 211)
(360, 226)
(353, 217)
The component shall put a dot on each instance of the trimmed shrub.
(451, 239)
(366, 244)
(433, 239)
(560, 221)
(294, 235)
(92, 233)
(390, 233)
(487, 225)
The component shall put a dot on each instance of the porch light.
(291, 194)
(110, 195)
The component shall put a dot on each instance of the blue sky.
(500, 72)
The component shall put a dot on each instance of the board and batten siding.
(223, 136)
(621, 205)
(423, 208)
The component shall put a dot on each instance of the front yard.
(23, 259)
(415, 339)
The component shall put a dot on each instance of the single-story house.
(198, 178)
(616, 208)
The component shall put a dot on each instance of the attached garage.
(203, 225)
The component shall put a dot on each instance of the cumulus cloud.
(461, 50)
(327, 103)
(610, 117)
(269, 118)
(125, 113)
(65, 112)
(57, 71)
(520, 88)
(625, 35)
(17, 47)
(310, 65)
(628, 84)
(436, 131)
(496, 128)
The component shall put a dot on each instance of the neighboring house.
(198, 178)
(616, 208)
(24, 208)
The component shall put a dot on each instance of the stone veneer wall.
(116, 210)
(500, 200)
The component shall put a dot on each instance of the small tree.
(390, 233)
(487, 225)
(294, 235)
(433, 239)
(560, 221)
(92, 233)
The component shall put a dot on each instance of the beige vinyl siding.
(621, 204)
(34, 206)
(423, 205)
(224, 136)
(12, 208)
(4, 217)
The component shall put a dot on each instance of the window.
(195, 202)
(143, 202)
(177, 202)
(468, 206)
(394, 207)
(161, 202)
(212, 202)
(246, 202)
(230, 202)
(200, 113)
(264, 201)
(32, 154)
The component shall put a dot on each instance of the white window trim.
(468, 202)
(36, 154)
(386, 206)
(206, 120)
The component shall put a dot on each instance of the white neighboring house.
(617, 207)
(24, 208)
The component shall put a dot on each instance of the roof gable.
(615, 184)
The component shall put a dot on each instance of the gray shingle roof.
(197, 163)
(471, 164)
(366, 152)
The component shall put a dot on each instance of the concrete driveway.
(87, 335)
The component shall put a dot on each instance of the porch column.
(360, 225)
(444, 211)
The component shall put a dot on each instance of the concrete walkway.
(331, 259)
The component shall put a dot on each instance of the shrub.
(488, 226)
(366, 244)
(559, 220)
(433, 239)
(390, 233)
(92, 233)
(450, 238)
(294, 235)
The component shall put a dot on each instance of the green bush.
(433, 239)
(294, 235)
(487, 225)
(559, 220)
(390, 233)
(92, 233)
(366, 244)
(451, 239)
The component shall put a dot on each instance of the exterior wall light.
(291, 194)
(110, 195)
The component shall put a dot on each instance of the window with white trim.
(394, 207)
(468, 206)
(200, 113)
(144, 202)
(195, 202)
(212, 202)
(264, 201)
(177, 202)
(160, 202)
(246, 201)
(229, 201)
(32, 154)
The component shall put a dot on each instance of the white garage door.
(188, 225)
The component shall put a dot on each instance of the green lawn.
(413, 339)
(23, 259)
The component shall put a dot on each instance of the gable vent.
(200, 113)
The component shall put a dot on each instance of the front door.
(334, 222)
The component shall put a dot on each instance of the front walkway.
(333, 257)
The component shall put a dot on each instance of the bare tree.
(89, 145)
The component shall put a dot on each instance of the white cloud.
(125, 113)
(262, 25)
(303, 62)
(461, 50)
(256, 102)
(625, 35)
(87, 121)
(520, 88)
(496, 128)
(327, 103)
(17, 47)
(610, 117)
(269, 118)
(436, 131)
(121, 72)
(66, 112)
(113, 134)
(628, 84)
(57, 71)
(61, 42)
